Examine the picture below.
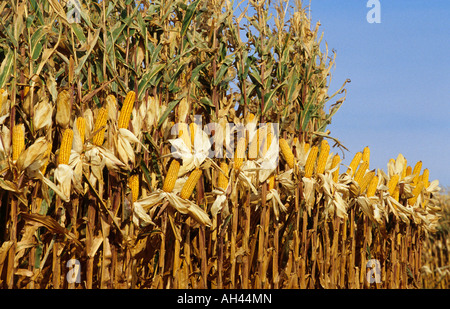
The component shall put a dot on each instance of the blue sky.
(398, 100)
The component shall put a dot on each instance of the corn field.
(109, 180)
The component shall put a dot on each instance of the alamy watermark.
(73, 14)
(373, 274)
(374, 14)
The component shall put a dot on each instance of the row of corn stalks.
(98, 191)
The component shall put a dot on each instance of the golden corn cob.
(372, 188)
(47, 158)
(193, 130)
(323, 157)
(127, 108)
(271, 181)
(183, 133)
(222, 181)
(366, 180)
(416, 172)
(81, 126)
(66, 147)
(336, 160)
(18, 142)
(392, 184)
(310, 161)
(396, 193)
(360, 172)
(416, 192)
(306, 147)
(366, 156)
(63, 108)
(354, 164)
(425, 178)
(172, 176)
(287, 152)
(408, 170)
(190, 183)
(133, 183)
(239, 154)
(100, 124)
(404, 169)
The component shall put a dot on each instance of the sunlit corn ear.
(361, 172)
(63, 109)
(81, 127)
(287, 153)
(112, 107)
(239, 154)
(416, 172)
(392, 184)
(372, 188)
(18, 142)
(100, 127)
(222, 181)
(46, 158)
(366, 156)
(172, 176)
(323, 156)
(191, 183)
(182, 110)
(125, 112)
(416, 192)
(425, 177)
(32, 158)
(133, 184)
(354, 164)
(335, 165)
(66, 147)
(183, 133)
(311, 161)
(366, 181)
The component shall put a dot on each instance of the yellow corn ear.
(133, 183)
(408, 170)
(366, 156)
(190, 183)
(222, 181)
(100, 124)
(416, 192)
(47, 158)
(310, 161)
(271, 181)
(425, 178)
(372, 188)
(193, 130)
(361, 172)
(323, 157)
(392, 184)
(287, 152)
(18, 142)
(239, 154)
(127, 108)
(306, 147)
(81, 126)
(183, 133)
(416, 171)
(354, 163)
(172, 176)
(334, 163)
(66, 147)
(366, 180)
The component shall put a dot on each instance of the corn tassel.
(127, 108)
(310, 161)
(100, 124)
(191, 183)
(172, 176)
(287, 152)
(18, 142)
(323, 157)
(66, 147)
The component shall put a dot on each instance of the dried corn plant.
(96, 182)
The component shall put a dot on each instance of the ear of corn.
(127, 108)
(416, 192)
(63, 109)
(193, 130)
(81, 126)
(222, 181)
(366, 156)
(372, 188)
(366, 180)
(392, 184)
(334, 164)
(416, 171)
(323, 157)
(354, 164)
(310, 161)
(18, 142)
(183, 133)
(172, 176)
(66, 147)
(133, 183)
(361, 172)
(239, 154)
(100, 124)
(425, 178)
(287, 152)
(47, 158)
(190, 183)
